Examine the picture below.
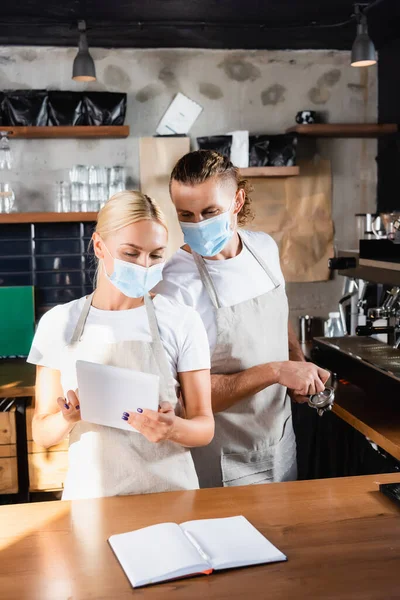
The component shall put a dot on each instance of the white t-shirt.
(236, 279)
(181, 330)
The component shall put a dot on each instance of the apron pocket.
(266, 465)
(247, 468)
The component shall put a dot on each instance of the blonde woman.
(120, 324)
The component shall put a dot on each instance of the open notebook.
(169, 551)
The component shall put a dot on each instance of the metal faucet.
(389, 310)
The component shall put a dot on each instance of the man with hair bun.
(232, 277)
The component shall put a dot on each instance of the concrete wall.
(256, 90)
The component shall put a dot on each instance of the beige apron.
(105, 461)
(254, 440)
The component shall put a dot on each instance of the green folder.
(17, 320)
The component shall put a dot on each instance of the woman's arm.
(52, 420)
(196, 429)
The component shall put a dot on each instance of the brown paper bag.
(158, 156)
(296, 212)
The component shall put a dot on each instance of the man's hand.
(298, 398)
(303, 378)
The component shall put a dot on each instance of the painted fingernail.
(77, 407)
(124, 418)
(66, 405)
(140, 410)
(125, 414)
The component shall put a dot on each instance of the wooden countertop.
(17, 378)
(341, 536)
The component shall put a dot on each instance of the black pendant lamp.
(83, 68)
(363, 53)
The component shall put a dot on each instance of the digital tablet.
(105, 392)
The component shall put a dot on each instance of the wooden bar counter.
(341, 536)
(17, 378)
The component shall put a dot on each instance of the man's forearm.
(295, 351)
(227, 390)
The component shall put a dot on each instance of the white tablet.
(105, 392)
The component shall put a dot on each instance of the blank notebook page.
(156, 553)
(232, 542)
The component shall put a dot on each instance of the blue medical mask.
(209, 237)
(134, 280)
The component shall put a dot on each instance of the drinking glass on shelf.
(117, 180)
(85, 197)
(63, 196)
(102, 175)
(94, 197)
(79, 196)
(84, 192)
(98, 175)
(103, 194)
(79, 174)
(92, 175)
(89, 206)
(117, 174)
(114, 188)
(5, 151)
(76, 196)
(7, 198)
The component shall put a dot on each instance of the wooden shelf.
(78, 131)
(47, 217)
(270, 171)
(345, 130)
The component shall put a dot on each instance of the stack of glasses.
(89, 188)
(7, 198)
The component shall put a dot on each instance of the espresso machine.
(370, 312)
(354, 438)
(360, 435)
(389, 311)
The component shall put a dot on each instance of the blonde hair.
(197, 167)
(123, 209)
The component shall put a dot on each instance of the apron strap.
(78, 331)
(206, 278)
(260, 261)
(158, 348)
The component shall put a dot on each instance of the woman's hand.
(70, 407)
(155, 426)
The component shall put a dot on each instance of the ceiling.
(230, 24)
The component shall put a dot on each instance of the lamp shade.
(363, 53)
(83, 68)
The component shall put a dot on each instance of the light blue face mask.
(134, 280)
(209, 237)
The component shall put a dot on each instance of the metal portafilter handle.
(322, 401)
